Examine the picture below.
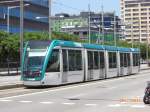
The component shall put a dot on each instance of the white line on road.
(90, 104)
(47, 102)
(138, 106)
(25, 101)
(68, 103)
(61, 89)
(5, 100)
(114, 105)
(66, 88)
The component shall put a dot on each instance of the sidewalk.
(13, 80)
(8, 82)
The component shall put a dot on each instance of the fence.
(9, 68)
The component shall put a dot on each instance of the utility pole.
(8, 23)
(103, 33)
(115, 38)
(21, 31)
(49, 18)
(147, 34)
(132, 33)
(89, 23)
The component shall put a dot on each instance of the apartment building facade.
(135, 15)
(32, 9)
(79, 25)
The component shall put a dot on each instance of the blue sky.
(75, 6)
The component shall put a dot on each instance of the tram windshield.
(34, 59)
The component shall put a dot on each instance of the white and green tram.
(60, 62)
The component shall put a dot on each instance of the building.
(136, 17)
(10, 15)
(79, 25)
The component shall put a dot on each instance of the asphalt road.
(113, 95)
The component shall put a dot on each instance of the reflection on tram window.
(54, 62)
(90, 60)
(121, 59)
(65, 64)
(75, 60)
(135, 59)
(102, 60)
(112, 60)
(96, 60)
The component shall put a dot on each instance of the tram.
(60, 62)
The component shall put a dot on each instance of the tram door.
(90, 65)
(65, 66)
(121, 64)
(128, 63)
(102, 65)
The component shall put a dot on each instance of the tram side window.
(75, 60)
(112, 60)
(128, 59)
(90, 60)
(102, 60)
(121, 59)
(125, 59)
(96, 60)
(78, 60)
(71, 56)
(135, 59)
(54, 62)
(65, 64)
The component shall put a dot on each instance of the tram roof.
(111, 48)
(93, 46)
(123, 49)
(68, 44)
(135, 50)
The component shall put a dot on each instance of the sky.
(76, 6)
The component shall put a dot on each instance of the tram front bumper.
(32, 83)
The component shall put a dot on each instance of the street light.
(8, 13)
(38, 17)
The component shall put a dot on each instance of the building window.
(143, 14)
(143, 9)
(135, 9)
(135, 14)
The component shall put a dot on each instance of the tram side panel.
(135, 63)
(112, 64)
(125, 64)
(53, 70)
(118, 63)
(94, 65)
(73, 70)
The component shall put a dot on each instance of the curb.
(10, 86)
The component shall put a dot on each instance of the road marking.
(66, 88)
(114, 105)
(90, 104)
(68, 103)
(25, 101)
(138, 106)
(61, 89)
(46, 102)
(5, 100)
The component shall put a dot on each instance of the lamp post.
(89, 24)
(21, 32)
(49, 18)
(115, 38)
(8, 15)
